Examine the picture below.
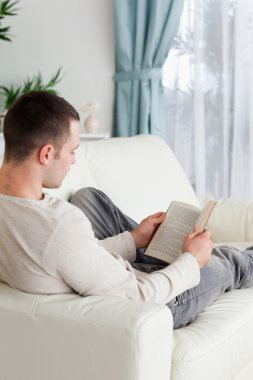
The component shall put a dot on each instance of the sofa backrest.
(140, 174)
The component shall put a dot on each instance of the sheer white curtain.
(208, 80)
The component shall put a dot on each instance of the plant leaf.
(7, 8)
(34, 83)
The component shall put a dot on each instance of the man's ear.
(46, 153)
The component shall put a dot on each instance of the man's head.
(41, 135)
(34, 120)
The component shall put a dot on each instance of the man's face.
(60, 165)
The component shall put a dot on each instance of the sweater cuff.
(194, 274)
(185, 267)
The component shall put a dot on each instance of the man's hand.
(200, 245)
(143, 234)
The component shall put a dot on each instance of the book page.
(168, 240)
(180, 219)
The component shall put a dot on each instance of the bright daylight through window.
(208, 82)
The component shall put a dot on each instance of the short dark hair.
(35, 119)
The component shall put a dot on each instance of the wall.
(75, 34)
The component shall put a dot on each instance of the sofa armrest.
(87, 338)
(232, 221)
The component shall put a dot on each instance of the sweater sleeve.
(75, 256)
(123, 244)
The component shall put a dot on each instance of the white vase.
(91, 124)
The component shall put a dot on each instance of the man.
(47, 245)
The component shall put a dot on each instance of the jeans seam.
(246, 273)
(199, 295)
(111, 211)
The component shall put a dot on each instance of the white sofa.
(67, 337)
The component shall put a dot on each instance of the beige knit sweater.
(48, 247)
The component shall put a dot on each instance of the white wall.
(75, 34)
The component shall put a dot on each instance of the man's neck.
(19, 181)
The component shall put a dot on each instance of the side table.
(94, 136)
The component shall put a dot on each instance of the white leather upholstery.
(218, 345)
(140, 174)
(69, 337)
(236, 218)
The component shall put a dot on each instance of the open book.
(180, 219)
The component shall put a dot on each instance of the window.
(208, 81)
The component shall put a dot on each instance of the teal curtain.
(144, 31)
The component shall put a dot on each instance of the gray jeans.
(228, 268)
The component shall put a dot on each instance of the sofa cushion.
(222, 332)
(150, 186)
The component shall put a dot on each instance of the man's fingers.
(157, 214)
(157, 217)
(196, 231)
(207, 234)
